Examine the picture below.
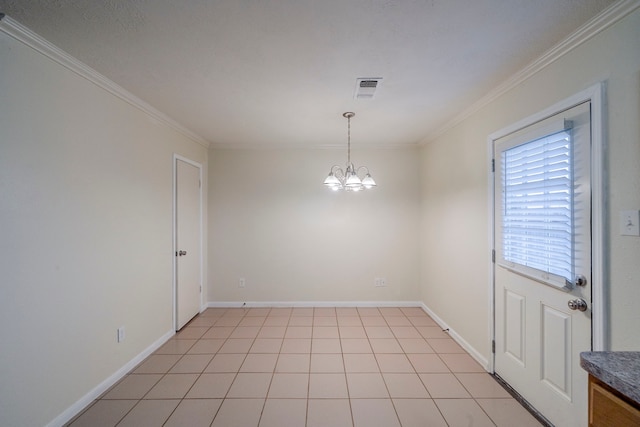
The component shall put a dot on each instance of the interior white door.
(188, 238)
(538, 336)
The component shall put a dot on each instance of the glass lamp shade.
(332, 181)
(368, 182)
(353, 181)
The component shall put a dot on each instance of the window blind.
(537, 217)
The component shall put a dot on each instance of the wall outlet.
(121, 334)
(242, 282)
(630, 223)
(379, 282)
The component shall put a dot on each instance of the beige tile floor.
(321, 367)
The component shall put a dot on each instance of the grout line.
(316, 313)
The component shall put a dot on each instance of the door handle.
(577, 304)
(181, 253)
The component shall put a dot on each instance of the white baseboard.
(457, 338)
(77, 407)
(231, 304)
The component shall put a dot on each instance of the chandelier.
(348, 179)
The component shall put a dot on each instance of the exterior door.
(540, 329)
(187, 242)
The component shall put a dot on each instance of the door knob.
(181, 253)
(577, 304)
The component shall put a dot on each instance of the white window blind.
(537, 205)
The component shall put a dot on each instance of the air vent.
(366, 87)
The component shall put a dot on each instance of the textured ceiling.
(281, 72)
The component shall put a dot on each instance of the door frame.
(177, 157)
(594, 94)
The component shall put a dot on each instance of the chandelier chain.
(348, 140)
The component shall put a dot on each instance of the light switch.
(630, 223)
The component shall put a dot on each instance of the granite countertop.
(618, 369)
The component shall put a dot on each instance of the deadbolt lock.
(581, 280)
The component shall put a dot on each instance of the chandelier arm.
(362, 167)
(337, 170)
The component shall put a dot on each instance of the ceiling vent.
(366, 87)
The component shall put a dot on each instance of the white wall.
(272, 222)
(85, 214)
(86, 232)
(455, 196)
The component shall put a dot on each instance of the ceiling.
(280, 73)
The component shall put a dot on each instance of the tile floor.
(321, 367)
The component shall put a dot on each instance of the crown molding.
(24, 35)
(591, 28)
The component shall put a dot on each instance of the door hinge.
(493, 165)
(493, 346)
(493, 256)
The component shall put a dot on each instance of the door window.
(536, 215)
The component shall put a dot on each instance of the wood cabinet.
(609, 408)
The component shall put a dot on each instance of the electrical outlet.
(379, 282)
(630, 223)
(121, 334)
(242, 282)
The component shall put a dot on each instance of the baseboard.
(457, 338)
(236, 304)
(77, 407)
